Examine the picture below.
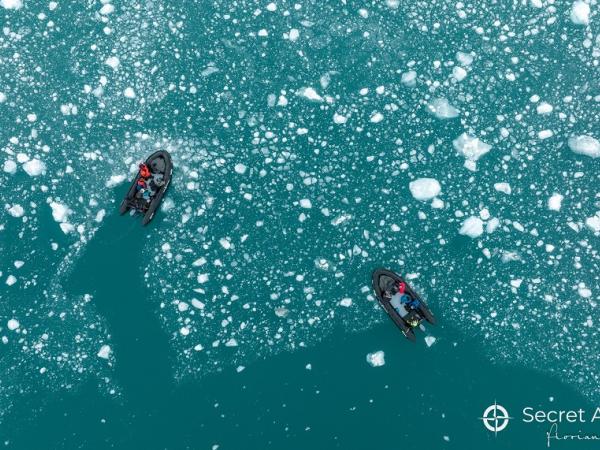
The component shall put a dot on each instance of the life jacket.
(402, 287)
(141, 183)
(144, 171)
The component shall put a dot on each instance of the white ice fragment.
(584, 292)
(197, 304)
(184, 331)
(10, 280)
(202, 278)
(10, 167)
(13, 324)
(112, 61)
(376, 117)
(544, 108)
(60, 212)
(503, 187)
(129, 92)
(580, 13)
(271, 7)
(545, 134)
(593, 223)
(346, 302)
(492, 225)
(424, 189)
(305, 203)
(555, 202)
(104, 352)
(516, 283)
(409, 78)
(310, 94)
(430, 340)
(225, 243)
(472, 227)
(240, 168)
(459, 73)
(470, 147)
(442, 109)
(11, 4)
(199, 262)
(34, 167)
(376, 359)
(16, 210)
(339, 119)
(231, 343)
(464, 58)
(106, 9)
(115, 180)
(294, 34)
(585, 145)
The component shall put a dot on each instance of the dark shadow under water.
(419, 396)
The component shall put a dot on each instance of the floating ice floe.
(129, 92)
(472, 227)
(430, 340)
(104, 352)
(580, 13)
(346, 302)
(593, 223)
(13, 324)
(115, 180)
(442, 109)
(471, 147)
(240, 168)
(10, 166)
(555, 202)
(309, 93)
(376, 359)
(409, 78)
(424, 189)
(544, 108)
(585, 145)
(113, 62)
(60, 213)
(503, 187)
(16, 210)
(339, 119)
(376, 117)
(11, 4)
(34, 167)
(10, 280)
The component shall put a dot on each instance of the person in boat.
(145, 171)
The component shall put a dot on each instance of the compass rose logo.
(495, 418)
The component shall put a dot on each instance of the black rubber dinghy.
(385, 284)
(161, 169)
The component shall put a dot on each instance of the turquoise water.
(456, 143)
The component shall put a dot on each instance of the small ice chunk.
(310, 94)
(544, 108)
(202, 278)
(459, 73)
(470, 147)
(584, 292)
(580, 13)
(240, 168)
(129, 92)
(376, 359)
(231, 343)
(294, 34)
(465, 59)
(34, 167)
(225, 243)
(339, 119)
(555, 202)
(115, 180)
(472, 227)
(60, 212)
(106, 9)
(305, 203)
(585, 145)
(11, 4)
(409, 78)
(593, 223)
(104, 352)
(113, 62)
(545, 134)
(442, 109)
(503, 187)
(424, 189)
(197, 304)
(10, 167)
(376, 117)
(346, 302)
(13, 324)
(430, 340)
(10, 280)
(16, 210)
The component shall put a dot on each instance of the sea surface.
(455, 142)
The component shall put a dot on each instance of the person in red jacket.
(144, 171)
